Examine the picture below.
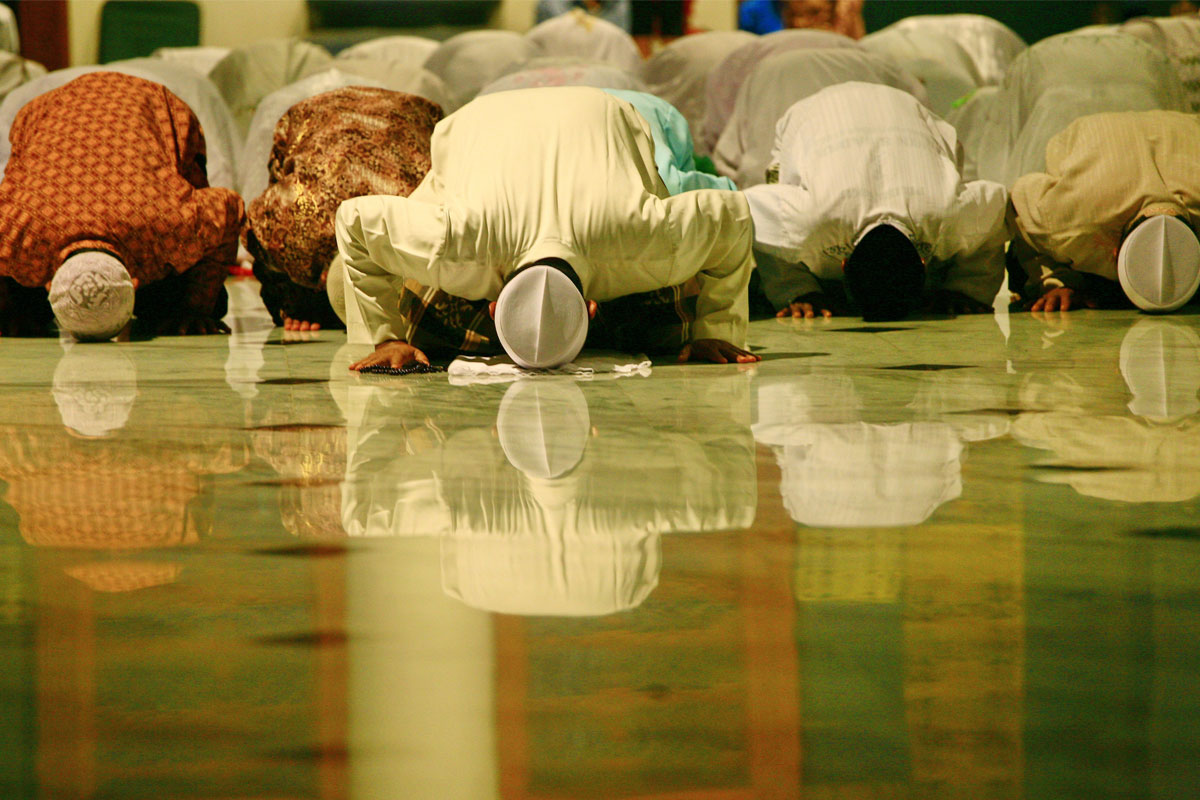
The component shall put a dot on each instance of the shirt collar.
(555, 249)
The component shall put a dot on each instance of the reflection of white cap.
(1159, 264)
(860, 475)
(543, 427)
(541, 317)
(94, 389)
(1160, 362)
(92, 295)
(552, 574)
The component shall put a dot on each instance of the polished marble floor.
(936, 559)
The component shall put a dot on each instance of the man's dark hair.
(885, 275)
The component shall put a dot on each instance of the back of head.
(885, 275)
(1158, 264)
(91, 295)
(541, 316)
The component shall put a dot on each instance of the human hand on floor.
(716, 351)
(813, 304)
(191, 323)
(947, 301)
(395, 353)
(1062, 299)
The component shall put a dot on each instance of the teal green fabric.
(673, 151)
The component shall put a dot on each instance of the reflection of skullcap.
(543, 427)
(92, 295)
(1160, 362)
(549, 574)
(541, 318)
(95, 389)
(1158, 264)
(860, 475)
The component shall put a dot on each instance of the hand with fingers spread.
(191, 323)
(947, 301)
(813, 304)
(716, 351)
(394, 353)
(1062, 299)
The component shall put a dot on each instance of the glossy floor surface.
(937, 559)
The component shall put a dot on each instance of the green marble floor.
(936, 559)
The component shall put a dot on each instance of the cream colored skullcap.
(541, 318)
(1158, 264)
(543, 426)
(92, 296)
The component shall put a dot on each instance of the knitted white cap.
(92, 296)
(541, 318)
(1158, 264)
(543, 426)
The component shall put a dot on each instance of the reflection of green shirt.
(674, 155)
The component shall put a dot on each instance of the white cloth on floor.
(500, 369)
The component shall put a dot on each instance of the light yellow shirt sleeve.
(384, 240)
(715, 235)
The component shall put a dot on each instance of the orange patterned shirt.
(113, 162)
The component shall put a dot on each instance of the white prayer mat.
(501, 369)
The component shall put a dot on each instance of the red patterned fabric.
(114, 162)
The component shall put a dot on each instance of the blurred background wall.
(235, 22)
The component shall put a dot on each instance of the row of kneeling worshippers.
(537, 194)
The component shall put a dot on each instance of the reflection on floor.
(946, 559)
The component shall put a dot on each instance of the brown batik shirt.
(337, 145)
(115, 163)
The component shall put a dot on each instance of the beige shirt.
(1103, 173)
(856, 155)
(566, 172)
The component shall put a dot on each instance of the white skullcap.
(92, 295)
(541, 318)
(543, 426)
(1160, 362)
(1159, 264)
(94, 389)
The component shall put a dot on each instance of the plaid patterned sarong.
(650, 322)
